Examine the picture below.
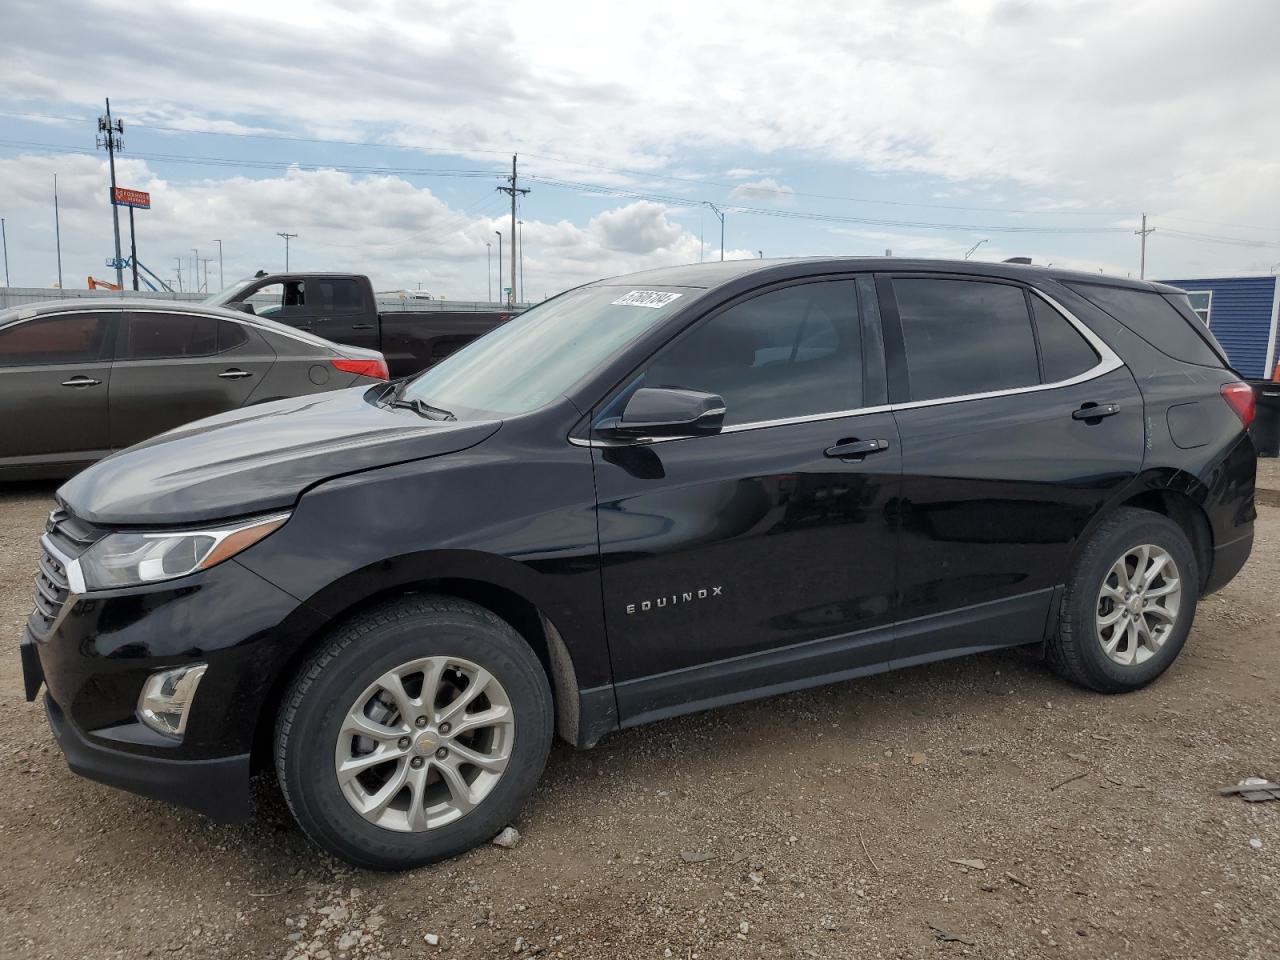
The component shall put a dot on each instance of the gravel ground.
(829, 823)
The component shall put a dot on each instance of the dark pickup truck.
(342, 307)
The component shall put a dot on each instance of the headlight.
(127, 559)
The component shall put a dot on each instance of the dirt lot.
(821, 824)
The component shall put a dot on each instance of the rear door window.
(1064, 352)
(965, 337)
(61, 339)
(1155, 320)
(230, 335)
(163, 336)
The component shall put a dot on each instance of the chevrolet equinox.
(647, 496)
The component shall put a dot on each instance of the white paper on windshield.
(647, 298)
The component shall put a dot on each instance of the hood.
(257, 459)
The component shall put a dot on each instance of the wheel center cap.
(1135, 604)
(426, 743)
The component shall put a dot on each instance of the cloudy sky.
(378, 132)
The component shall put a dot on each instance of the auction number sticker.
(647, 298)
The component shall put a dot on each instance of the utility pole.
(488, 269)
(287, 238)
(195, 270)
(179, 262)
(4, 240)
(206, 261)
(719, 213)
(57, 229)
(222, 283)
(1142, 264)
(513, 191)
(499, 233)
(133, 250)
(109, 133)
(520, 292)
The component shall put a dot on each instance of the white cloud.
(1149, 105)
(763, 192)
(399, 234)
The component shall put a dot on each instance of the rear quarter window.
(1154, 319)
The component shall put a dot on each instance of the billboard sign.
(124, 197)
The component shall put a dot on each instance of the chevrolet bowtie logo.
(675, 599)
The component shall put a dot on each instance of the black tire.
(1075, 651)
(355, 655)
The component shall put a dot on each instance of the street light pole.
(222, 283)
(719, 213)
(499, 233)
(488, 269)
(4, 239)
(57, 229)
(287, 238)
(195, 271)
(969, 253)
(520, 292)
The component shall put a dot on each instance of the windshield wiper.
(424, 409)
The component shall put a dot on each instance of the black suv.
(647, 496)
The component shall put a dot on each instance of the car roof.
(716, 273)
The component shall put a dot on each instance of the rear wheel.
(1129, 603)
(418, 732)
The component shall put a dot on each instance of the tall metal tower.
(110, 133)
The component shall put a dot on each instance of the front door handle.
(855, 449)
(81, 382)
(1093, 412)
(362, 326)
(234, 374)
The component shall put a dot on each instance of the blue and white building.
(1242, 313)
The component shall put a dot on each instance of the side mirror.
(666, 412)
(246, 307)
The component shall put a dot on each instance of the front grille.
(65, 536)
(52, 591)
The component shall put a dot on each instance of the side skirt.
(1014, 621)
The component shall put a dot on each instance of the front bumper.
(218, 787)
(102, 648)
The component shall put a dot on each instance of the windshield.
(539, 355)
(224, 296)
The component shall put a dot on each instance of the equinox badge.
(675, 599)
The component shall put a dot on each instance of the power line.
(597, 188)
(823, 217)
(590, 165)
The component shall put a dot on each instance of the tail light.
(377, 369)
(1240, 398)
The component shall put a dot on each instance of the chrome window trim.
(1108, 361)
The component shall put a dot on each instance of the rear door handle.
(81, 382)
(362, 326)
(850, 449)
(1095, 411)
(234, 374)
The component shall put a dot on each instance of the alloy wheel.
(1138, 604)
(424, 744)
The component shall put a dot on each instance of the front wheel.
(1128, 605)
(417, 733)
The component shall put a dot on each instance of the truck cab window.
(268, 301)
